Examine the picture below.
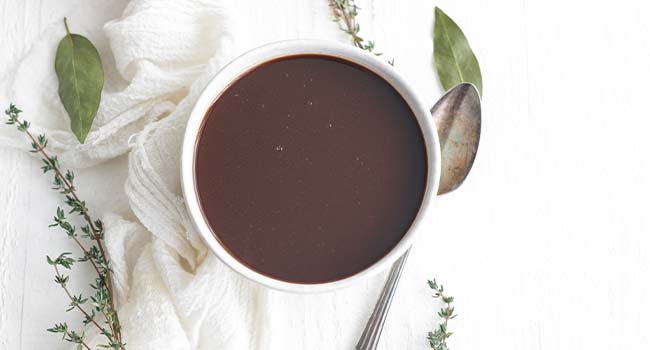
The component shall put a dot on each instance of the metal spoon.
(458, 119)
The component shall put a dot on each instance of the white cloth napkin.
(172, 293)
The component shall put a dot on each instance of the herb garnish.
(345, 14)
(454, 59)
(102, 303)
(438, 338)
(81, 79)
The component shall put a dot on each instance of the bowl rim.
(253, 58)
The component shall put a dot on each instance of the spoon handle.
(370, 337)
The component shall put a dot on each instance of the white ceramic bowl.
(254, 58)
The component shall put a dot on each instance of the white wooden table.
(544, 247)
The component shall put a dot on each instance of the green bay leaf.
(81, 79)
(454, 59)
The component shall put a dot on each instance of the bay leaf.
(81, 79)
(454, 59)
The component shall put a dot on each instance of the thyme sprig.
(102, 301)
(345, 14)
(438, 338)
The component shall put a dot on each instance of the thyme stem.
(346, 11)
(438, 338)
(97, 235)
(104, 299)
(76, 304)
(345, 14)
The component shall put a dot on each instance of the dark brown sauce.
(309, 169)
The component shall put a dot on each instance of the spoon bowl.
(458, 121)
